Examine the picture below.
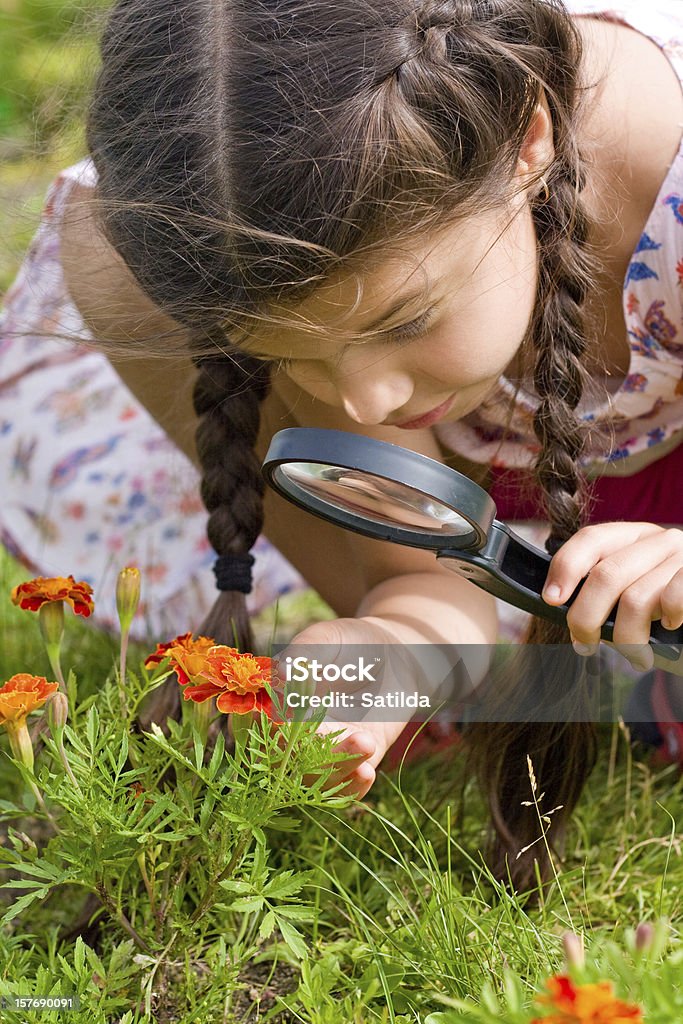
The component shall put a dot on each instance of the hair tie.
(233, 572)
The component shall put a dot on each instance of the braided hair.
(245, 151)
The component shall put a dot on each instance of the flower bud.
(645, 934)
(58, 711)
(127, 596)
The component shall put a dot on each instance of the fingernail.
(668, 624)
(585, 650)
(552, 592)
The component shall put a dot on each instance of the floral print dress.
(89, 481)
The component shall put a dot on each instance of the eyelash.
(406, 332)
(413, 329)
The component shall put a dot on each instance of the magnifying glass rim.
(337, 448)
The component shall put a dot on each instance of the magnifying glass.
(391, 493)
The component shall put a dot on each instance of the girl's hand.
(365, 741)
(640, 565)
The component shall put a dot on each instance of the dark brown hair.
(247, 148)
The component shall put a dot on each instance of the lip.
(428, 418)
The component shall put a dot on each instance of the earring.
(545, 194)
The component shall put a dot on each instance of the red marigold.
(585, 1004)
(33, 594)
(21, 695)
(237, 681)
(185, 655)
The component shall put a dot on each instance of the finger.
(577, 556)
(362, 781)
(361, 745)
(672, 602)
(610, 579)
(639, 606)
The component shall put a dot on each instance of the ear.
(538, 149)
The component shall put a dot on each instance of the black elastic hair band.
(233, 572)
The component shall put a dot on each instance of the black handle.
(510, 568)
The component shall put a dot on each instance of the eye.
(413, 329)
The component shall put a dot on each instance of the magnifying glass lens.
(386, 502)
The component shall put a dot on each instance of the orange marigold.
(237, 681)
(186, 655)
(21, 695)
(585, 1004)
(33, 594)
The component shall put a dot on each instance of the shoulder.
(630, 135)
(633, 122)
(111, 303)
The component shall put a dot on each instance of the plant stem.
(55, 664)
(122, 674)
(238, 853)
(148, 885)
(67, 767)
(119, 916)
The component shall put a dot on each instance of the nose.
(372, 394)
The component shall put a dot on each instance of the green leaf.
(293, 938)
(296, 913)
(287, 883)
(267, 925)
(198, 750)
(123, 754)
(236, 885)
(216, 757)
(247, 904)
(79, 955)
(92, 727)
(283, 823)
(23, 903)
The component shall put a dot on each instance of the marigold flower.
(185, 654)
(237, 681)
(585, 1004)
(21, 695)
(33, 594)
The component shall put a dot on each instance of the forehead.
(363, 290)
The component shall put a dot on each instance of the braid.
(560, 342)
(227, 395)
(562, 753)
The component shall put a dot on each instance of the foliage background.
(47, 57)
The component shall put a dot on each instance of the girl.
(424, 221)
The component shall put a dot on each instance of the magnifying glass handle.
(510, 568)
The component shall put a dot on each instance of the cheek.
(479, 341)
(311, 377)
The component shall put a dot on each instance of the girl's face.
(465, 299)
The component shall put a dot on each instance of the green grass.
(395, 916)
